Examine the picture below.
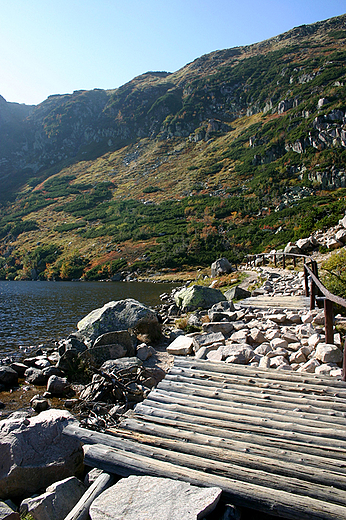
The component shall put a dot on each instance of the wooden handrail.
(316, 285)
(330, 296)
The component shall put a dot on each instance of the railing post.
(328, 321)
(283, 262)
(275, 259)
(306, 281)
(344, 364)
(294, 261)
(314, 268)
(312, 295)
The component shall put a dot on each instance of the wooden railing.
(318, 293)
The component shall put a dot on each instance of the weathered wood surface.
(273, 441)
(81, 509)
(279, 302)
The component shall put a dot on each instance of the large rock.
(58, 500)
(206, 339)
(119, 316)
(112, 366)
(141, 498)
(35, 376)
(34, 453)
(197, 296)
(58, 385)
(343, 222)
(236, 353)
(220, 267)
(237, 293)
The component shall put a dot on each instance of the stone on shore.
(8, 376)
(58, 500)
(112, 345)
(58, 385)
(204, 340)
(35, 376)
(119, 316)
(34, 453)
(154, 498)
(197, 296)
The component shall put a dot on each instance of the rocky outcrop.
(34, 453)
(139, 497)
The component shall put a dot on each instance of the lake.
(32, 313)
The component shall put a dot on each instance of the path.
(273, 441)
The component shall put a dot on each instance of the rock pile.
(269, 338)
(333, 238)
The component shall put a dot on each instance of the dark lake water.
(32, 313)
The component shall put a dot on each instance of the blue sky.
(55, 47)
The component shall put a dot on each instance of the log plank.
(280, 503)
(271, 375)
(246, 408)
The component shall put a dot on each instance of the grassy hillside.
(240, 151)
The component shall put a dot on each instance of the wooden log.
(255, 373)
(128, 441)
(258, 376)
(252, 441)
(246, 408)
(267, 396)
(229, 470)
(308, 436)
(259, 420)
(285, 462)
(280, 503)
(236, 393)
(81, 509)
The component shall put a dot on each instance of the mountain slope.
(173, 169)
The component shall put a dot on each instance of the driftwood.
(124, 388)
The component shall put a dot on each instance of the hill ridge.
(225, 156)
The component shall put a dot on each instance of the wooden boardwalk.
(274, 441)
(277, 301)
